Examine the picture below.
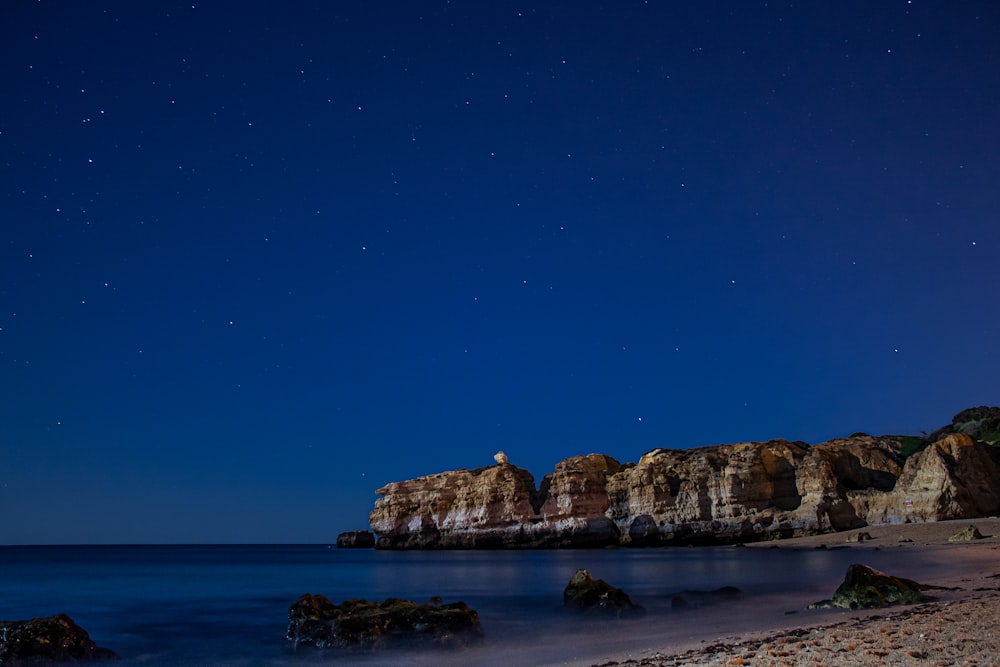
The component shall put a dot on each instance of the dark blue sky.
(260, 258)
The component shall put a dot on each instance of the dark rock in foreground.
(49, 639)
(585, 593)
(867, 588)
(314, 620)
(694, 599)
(356, 539)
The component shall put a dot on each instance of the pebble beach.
(960, 626)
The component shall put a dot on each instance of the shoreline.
(959, 625)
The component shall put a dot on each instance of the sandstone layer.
(724, 493)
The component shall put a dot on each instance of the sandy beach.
(959, 627)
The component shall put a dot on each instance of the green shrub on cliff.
(981, 423)
(911, 444)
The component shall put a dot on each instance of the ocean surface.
(228, 605)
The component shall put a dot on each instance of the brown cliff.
(724, 493)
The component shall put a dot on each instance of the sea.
(189, 605)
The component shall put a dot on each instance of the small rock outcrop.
(356, 539)
(584, 593)
(358, 624)
(981, 423)
(719, 494)
(866, 588)
(49, 639)
(966, 535)
(860, 536)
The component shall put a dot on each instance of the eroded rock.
(584, 593)
(707, 495)
(49, 639)
(867, 588)
(356, 539)
(955, 477)
(358, 624)
(966, 535)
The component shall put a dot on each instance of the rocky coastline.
(720, 494)
(954, 625)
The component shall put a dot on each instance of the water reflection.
(228, 605)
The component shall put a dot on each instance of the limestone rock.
(955, 477)
(584, 593)
(315, 620)
(866, 588)
(356, 539)
(722, 493)
(498, 507)
(500, 457)
(746, 491)
(719, 494)
(49, 639)
(482, 508)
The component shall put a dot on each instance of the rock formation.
(967, 534)
(954, 478)
(47, 640)
(584, 593)
(724, 493)
(867, 588)
(981, 423)
(356, 539)
(314, 620)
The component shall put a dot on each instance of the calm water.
(211, 605)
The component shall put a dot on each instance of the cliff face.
(954, 478)
(487, 507)
(498, 507)
(724, 493)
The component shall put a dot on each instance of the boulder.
(859, 537)
(966, 535)
(314, 620)
(584, 593)
(356, 539)
(867, 588)
(49, 639)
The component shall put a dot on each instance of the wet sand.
(960, 627)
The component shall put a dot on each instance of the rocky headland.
(719, 494)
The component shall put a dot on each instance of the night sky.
(260, 258)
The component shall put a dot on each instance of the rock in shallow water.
(866, 588)
(585, 593)
(356, 539)
(314, 620)
(49, 639)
